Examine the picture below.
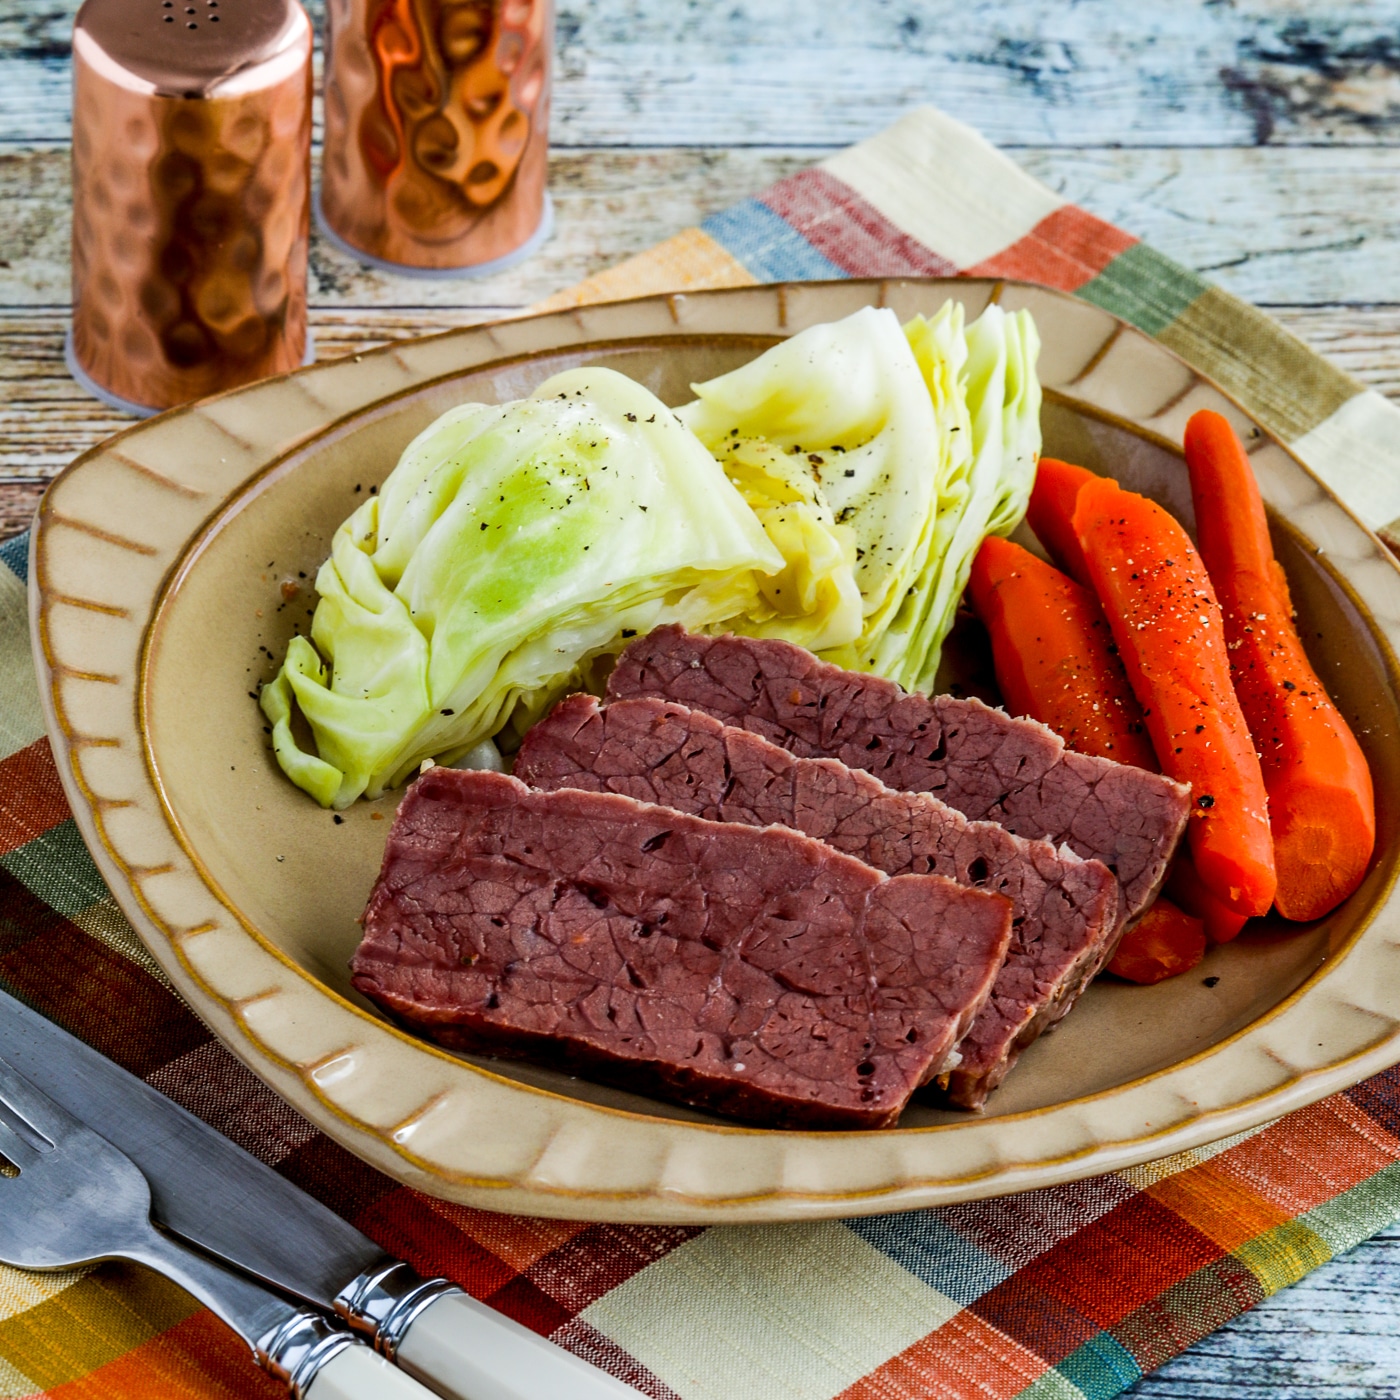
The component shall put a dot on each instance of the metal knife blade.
(311, 1253)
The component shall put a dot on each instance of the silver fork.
(71, 1198)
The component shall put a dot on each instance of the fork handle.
(313, 1357)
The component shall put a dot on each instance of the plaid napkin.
(1070, 1293)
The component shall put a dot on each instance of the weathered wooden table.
(1255, 140)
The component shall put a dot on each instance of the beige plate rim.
(577, 1186)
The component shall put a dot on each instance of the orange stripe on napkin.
(31, 797)
(1214, 1204)
(1328, 1149)
(688, 261)
(965, 1359)
(1065, 250)
(197, 1359)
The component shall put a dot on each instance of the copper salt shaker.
(437, 116)
(191, 196)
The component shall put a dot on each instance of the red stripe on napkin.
(848, 231)
(89, 989)
(31, 797)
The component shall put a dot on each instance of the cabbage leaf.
(842, 405)
(917, 440)
(510, 545)
(983, 492)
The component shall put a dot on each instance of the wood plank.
(1274, 225)
(1331, 1336)
(1364, 342)
(1267, 224)
(1038, 72)
(46, 419)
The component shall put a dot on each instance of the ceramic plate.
(171, 563)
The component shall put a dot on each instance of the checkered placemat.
(1070, 1293)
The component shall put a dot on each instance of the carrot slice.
(1054, 655)
(1051, 513)
(1185, 887)
(1164, 616)
(1164, 943)
(1322, 805)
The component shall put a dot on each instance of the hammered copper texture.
(191, 212)
(437, 120)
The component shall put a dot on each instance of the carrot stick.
(1321, 802)
(1159, 603)
(1164, 943)
(1185, 887)
(1054, 655)
(1051, 513)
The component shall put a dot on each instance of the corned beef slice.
(1065, 911)
(757, 973)
(981, 761)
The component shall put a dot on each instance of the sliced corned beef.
(1065, 910)
(757, 973)
(988, 765)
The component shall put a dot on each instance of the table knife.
(70, 1198)
(211, 1193)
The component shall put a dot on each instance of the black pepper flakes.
(1205, 800)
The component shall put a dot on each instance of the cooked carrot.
(1054, 655)
(1051, 513)
(1185, 887)
(1321, 803)
(1164, 943)
(1158, 600)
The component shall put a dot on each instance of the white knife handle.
(357, 1373)
(461, 1348)
(466, 1351)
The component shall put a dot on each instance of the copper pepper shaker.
(191, 196)
(437, 116)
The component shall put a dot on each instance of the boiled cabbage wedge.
(511, 543)
(918, 441)
(832, 492)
